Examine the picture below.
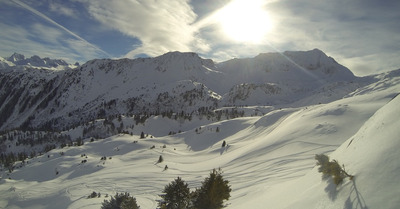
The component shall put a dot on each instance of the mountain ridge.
(36, 61)
(175, 81)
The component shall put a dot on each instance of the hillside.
(370, 155)
(269, 159)
(34, 98)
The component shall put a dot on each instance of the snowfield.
(269, 159)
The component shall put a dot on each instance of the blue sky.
(363, 35)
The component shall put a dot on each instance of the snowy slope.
(371, 155)
(5, 63)
(269, 159)
(173, 82)
(284, 78)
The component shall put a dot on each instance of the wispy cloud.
(45, 41)
(353, 32)
(19, 39)
(362, 35)
(62, 9)
(45, 34)
(161, 26)
(358, 34)
(36, 12)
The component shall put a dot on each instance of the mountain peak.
(15, 57)
(183, 61)
(293, 66)
(35, 61)
(313, 53)
(179, 55)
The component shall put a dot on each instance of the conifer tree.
(176, 195)
(120, 201)
(213, 192)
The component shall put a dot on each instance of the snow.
(184, 81)
(37, 62)
(370, 155)
(269, 159)
(5, 63)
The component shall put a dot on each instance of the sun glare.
(244, 21)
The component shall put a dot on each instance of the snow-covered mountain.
(47, 99)
(36, 61)
(269, 159)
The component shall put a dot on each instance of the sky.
(362, 35)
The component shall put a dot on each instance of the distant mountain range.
(36, 95)
(34, 61)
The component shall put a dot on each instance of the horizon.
(78, 31)
(216, 62)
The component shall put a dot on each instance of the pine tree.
(176, 195)
(213, 192)
(142, 135)
(120, 201)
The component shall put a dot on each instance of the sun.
(245, 21)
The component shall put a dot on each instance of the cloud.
(353, 32)
(45, 34)
(161, 26)
(36, 12)
(370, 64)
(81, 50)
(62, 9)
(44, 41)
(361, 34)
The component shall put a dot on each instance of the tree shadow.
(331, 188)
(355, 199)
(356, 202)
(224, 149)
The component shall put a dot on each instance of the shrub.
(120, 201)
(331, 169)
(93, 195)
(213, 192)
(176, 195)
